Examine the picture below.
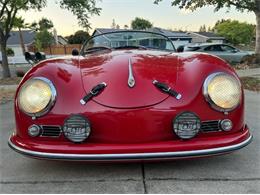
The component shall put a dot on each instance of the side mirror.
(40, 56)
(75, 52)
(29, 56)
(235, 51)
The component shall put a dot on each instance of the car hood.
(182, 73)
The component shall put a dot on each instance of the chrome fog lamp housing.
(226, 125)
(186, 125)
(36, 96)
(34, 130)
(76, 128)
(222, 91)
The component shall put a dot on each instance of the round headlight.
(36, 96)
(222, 91)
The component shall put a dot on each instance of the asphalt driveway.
(235, 173)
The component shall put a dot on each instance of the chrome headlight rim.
(208, 98)
(51, 102)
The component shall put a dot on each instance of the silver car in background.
(224, 51)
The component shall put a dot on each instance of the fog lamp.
(186, 125)
(76, 128)
(34, 130)
(226, 125)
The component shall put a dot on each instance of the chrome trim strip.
(131, 156)
(131, 79)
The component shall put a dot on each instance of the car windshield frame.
(83, 49)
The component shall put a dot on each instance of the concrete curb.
(248, 72)
(8, 87)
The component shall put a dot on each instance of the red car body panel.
(129, 120)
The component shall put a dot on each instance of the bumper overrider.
(200, 147)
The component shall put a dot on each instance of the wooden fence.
(58, 49)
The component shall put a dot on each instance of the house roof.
(62, 40)
(209, 35)
(106, 30)
(169, 33)
(14, 39)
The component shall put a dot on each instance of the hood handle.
(95, 91)
(166, 89)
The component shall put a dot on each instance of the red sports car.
(128, 96)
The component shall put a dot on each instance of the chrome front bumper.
(132, 156)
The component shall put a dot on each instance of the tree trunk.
(257, 46)
(22, 40)
(5, 65)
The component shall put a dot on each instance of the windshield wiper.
(131, 47)
(96, 49)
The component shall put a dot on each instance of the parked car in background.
(224, 51)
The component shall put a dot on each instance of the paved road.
(235, 173)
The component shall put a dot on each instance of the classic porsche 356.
(128, 96)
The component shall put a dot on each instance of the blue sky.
(123, 11)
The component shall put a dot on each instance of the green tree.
(79, 37)
(43, 24)
(43, 39)
(203, 28)
(9, 10)
(113, 25)
(236, 32)
(141, 24)
(241, 5)
(10, 52)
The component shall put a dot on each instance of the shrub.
(251, 59)
(20, 73)
(10, 52)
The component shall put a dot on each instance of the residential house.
(14, 41)
(178, 38)
(206, 37)
(105, 30)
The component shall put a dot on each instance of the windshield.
(129, 39)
